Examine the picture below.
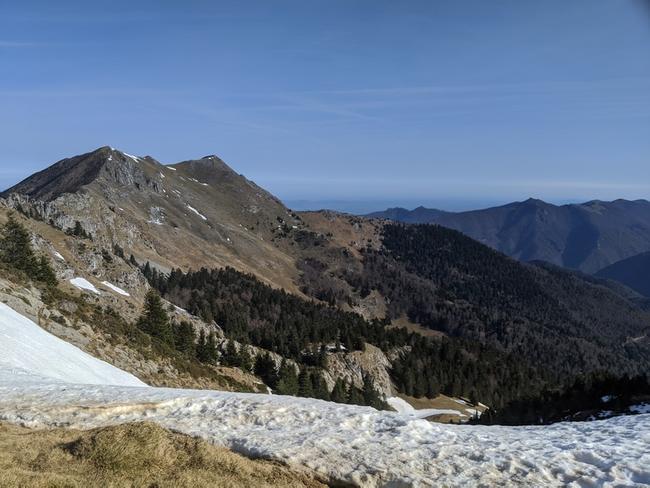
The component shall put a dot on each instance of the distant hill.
(633, 272)
(588, 236)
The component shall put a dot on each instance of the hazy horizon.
(463, 101)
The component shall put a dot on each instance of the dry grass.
(404, 323)
(130, 455)
(441, 402)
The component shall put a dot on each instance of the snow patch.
(116, 289)
(641, 408)
(401, 406)
(196, 212)
(58, 255)
(28, 350)
(405, 409)
(47, 382)
(84, 284)
(134, 158)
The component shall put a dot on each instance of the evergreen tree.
(211, 348)
(305, 387)
(319, 387)
(370, 394)
(288, 381)
(45, 273)
(16, 250)
(245, 359)
(339, 392)
(202, 353)
(16, 247)
(265, 368)
(354, 396)
(231, 356)
(184, 338)
(154, 319)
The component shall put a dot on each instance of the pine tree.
(245, 359)
(265, 368)
(16, 247)
(339, 392)
(354, 396)
(202, 353)
(370, 394)
(211, 347)
(231, 355)
(184, 338)
(45, 273)
(319, 387)
(154, 319)
(305, 387)
(288, 382)
(16, 250)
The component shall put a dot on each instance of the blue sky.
(453, 103)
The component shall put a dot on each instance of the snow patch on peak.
(134, 158)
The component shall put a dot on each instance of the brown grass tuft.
(130, 455)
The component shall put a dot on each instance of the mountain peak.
(71, 174)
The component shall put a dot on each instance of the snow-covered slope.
(344, 443)
(25, 346)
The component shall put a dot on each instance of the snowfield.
(345, 443)
(29, 350)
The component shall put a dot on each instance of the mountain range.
(588, 236)
(418, 309)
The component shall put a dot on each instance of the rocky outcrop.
(353, 366)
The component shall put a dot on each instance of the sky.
(347, 104)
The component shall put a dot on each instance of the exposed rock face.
(197, 213)
(192, 214)
(354, 365)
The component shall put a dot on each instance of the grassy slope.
(130, 455)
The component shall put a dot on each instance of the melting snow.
(170, 168)
(84, 284)
(116, 289)
(135, 158)
(57, 255)
(196, 212)
(407, 410)
(345, 443)
(641, 408)
(28, 350)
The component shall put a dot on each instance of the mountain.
(634, 272)
(190, 214)
(418, 309)
(587, 236)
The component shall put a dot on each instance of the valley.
(190, 277)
